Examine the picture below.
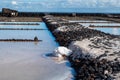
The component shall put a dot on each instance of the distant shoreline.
(37, 16)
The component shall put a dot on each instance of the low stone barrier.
(96, 55)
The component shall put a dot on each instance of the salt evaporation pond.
(115, 31)
(23, 34)
(100, 24)
(88, 21)
(111, 30)
(41, 25)
(26, 60)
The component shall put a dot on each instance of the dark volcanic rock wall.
(72, 32)
(85, 68)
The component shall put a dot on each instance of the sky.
(44, 5)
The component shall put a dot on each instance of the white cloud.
(90, 3)
(14, 3)
(71, 3)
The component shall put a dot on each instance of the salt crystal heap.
(62, 51)
(97, 47)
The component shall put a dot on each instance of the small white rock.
(106, 72)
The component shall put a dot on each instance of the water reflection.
(112, 30)
(89, 21)
(24, 60)
(100, 24)
(24, 34)
(115, 31)
(41, 26)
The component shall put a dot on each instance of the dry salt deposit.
(96, 47)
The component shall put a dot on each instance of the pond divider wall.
(85, 68)
(19, 40)
(66, 37)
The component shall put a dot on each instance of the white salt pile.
(62, 51)
(96, 47)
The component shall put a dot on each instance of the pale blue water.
(22, 34)
(111, 30)
(25, 60)
(89, 21)
(115, 31)
(40, 26)
(26, 34)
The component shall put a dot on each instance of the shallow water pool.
(26, 60)
(111, 30)
(40, 26)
